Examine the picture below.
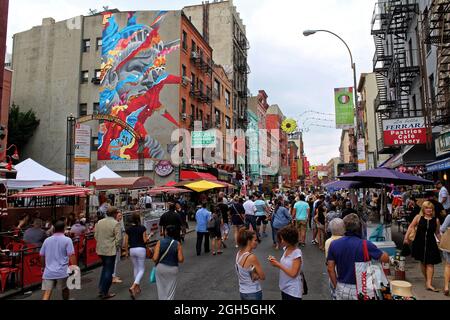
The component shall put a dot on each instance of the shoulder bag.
(153, 272)
(444, 245)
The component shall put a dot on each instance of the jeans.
(274, 235)
(138, 256)
(252, 296)
(285, 296)
(200, 236)
(251, 220)
(117, 260)
(107, 271)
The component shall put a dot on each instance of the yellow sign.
(289, 125)
(313, 168)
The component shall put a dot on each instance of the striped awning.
(57, 190)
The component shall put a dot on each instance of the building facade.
(332, 166)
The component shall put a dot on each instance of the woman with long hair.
(280, 219)
(424, 246)
(248, 268)
(136, 238)
(320, 221)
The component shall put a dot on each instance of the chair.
(4, 275)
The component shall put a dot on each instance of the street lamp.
(307, 33)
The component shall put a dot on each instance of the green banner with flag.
(345, 114)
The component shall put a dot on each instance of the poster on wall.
(137, 56)
(345, 114)
(82, 165)
(405, 131)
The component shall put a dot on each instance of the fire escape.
(394, 65)
(437, 30)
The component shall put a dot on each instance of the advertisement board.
(345, 114)
(82, 165)
(361, 155)
(405, 131)
(203, 139)
(442, 144)
(344, 168)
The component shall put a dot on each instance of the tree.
(21, 127)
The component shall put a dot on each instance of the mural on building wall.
(133, 76)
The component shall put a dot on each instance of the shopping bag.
(444, 244)
(370, 278)
(153, 275)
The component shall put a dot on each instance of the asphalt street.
(207, 277)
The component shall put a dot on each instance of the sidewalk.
(415, 277)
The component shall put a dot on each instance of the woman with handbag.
(290, 265)
(214, 226)
(445, 247)
(248, 268)
(135, 239)
(422, 233)
(319, 218)
(167, 257)
(237, 217)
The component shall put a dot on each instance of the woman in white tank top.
(248, 268)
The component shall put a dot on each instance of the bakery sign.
(405, 131)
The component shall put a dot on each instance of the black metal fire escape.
(438, 34)
(394, 65)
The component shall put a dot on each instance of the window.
(82, 111)
(94, 144)
(98, 74)
(193, 82)
(185, 40)
(193, 46)
(217, 89)
(193, 112)
(96, 108)
(432, 89)
(200, 118)
(183, 70)
(200, 86)
(84, 76)
(99, 43)
(413, 111)
(411, 56)
(227, 98)
(228, 122)
(217, 117)
(86, 45)
(183, 105)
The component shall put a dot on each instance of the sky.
(298, 73)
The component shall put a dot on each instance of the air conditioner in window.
(185, 80)
(194, 55)
(184, 116)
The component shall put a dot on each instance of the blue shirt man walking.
(202, 217)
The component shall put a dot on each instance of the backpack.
(212, 223)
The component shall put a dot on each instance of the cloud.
(298, 73)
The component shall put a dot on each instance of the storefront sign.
(406, 131)
(127, 165)
(82, 166)
(443, 144)
(439, 165)
(164, 168)
(204, 139)
(345, 114)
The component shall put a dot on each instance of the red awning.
(58, 190)
(193, 175)
(131, 183)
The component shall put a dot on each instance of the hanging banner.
(82, 165)
(345, 114)
(405, 131)
(361, 155)
(203, 139)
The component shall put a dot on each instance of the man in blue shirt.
(301, 214)
(261, 218)
(202, 217)
(344, 253)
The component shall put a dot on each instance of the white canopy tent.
(103, 173)
(31, 174)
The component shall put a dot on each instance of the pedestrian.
(171, 218)
(56, 251)
(261, 216)
(224, 211)
(347, 210)
(320, 223)
(248, 268)
(70, 220)
(424, 246)
(135, 241)
(148, 201)
(119, 219)
(183, 216)
(202, 217)
(330, 216)
(444, 198)
(438, 207)
(344, 253)
(35, 235)
(281, 218)
(290, 265)
(107, 235)
(318, 200)
(337, 228)
(168, 255)
(301, 214)
(445, 228)
(250, 215)
(311, 210)
(215, 233)
(237, 217)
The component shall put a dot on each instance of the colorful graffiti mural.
(133, 74)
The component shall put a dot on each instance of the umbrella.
(167, 190)
(347, 184)
(203, 185)
(386, 176)
(170, 184)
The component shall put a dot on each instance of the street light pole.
(358, 134)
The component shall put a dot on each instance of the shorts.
(261, 220)
(237, 220)
(301, 225)
(54, 284)
(215, 233)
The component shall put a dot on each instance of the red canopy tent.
(167, 190)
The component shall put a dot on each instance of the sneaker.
(236, 246)
(313, 242)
